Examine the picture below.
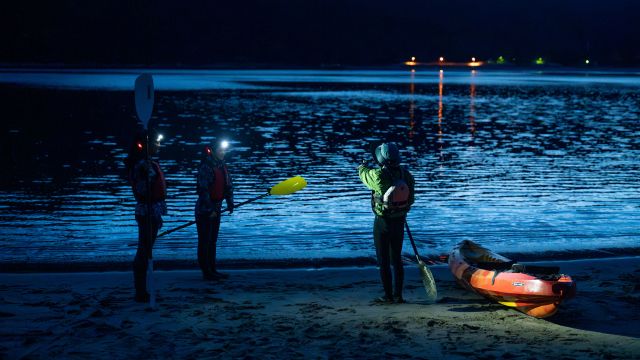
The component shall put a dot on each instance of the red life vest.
(158, 187)
(216, 190)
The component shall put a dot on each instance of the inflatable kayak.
(535, 290)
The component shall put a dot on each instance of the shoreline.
(312, 313)
(300, 263)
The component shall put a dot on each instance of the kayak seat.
(495, 265)
(533, 269)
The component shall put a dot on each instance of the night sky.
(316, 32)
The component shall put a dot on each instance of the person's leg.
(203, 224)
(382, 253)
(396, 238)
(215, 231)
(141, 260)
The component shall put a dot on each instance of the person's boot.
(220, 275)
(210, 276)
(142, 297)
(398, 299)
(383, 300)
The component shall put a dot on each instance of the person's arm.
(140, 173)
(203, 183)
(370, 177)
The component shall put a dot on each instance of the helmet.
(388, 154)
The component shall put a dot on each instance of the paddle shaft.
(413, 244)
(224, 210)
(148, 241)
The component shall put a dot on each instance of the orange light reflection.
(440, 88)
(472, 107)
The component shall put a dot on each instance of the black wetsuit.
(388, 235)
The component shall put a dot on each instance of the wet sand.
(315, 313)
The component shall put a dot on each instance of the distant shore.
(337, 67)
(298, 263)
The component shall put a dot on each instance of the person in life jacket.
(150, 191)
(392, 194)
(213, 186)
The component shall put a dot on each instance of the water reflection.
(440, 111)
(552, 166)
(472, 110)
(412, 106)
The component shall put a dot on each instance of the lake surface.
(518, 160)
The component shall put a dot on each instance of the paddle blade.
(288, 186)
(428, 282)
(144, 94)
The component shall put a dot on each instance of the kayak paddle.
(427, 278)
(144, 96)
(284, 187)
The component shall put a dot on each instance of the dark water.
(516, 160)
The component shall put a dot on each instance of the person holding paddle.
(213, 186)
(392, 194)
(150, 191)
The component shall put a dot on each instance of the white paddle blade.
(144, 93)
(428, 282)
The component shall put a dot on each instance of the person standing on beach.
(213, 185)
(150, 191)
(392, 194)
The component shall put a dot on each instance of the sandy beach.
(312, 313)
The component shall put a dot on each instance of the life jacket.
(158, 186)
(220, 180)
(396, 197)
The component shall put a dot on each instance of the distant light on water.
(586, 61)
(441, 59)
(539, 61)
(411, 62)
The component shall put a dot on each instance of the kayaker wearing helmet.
(150, 204)
(392, 194)
(213, 185)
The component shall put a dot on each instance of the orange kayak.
(535, 290)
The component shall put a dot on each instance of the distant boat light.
(586, 61)
(441, 59)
